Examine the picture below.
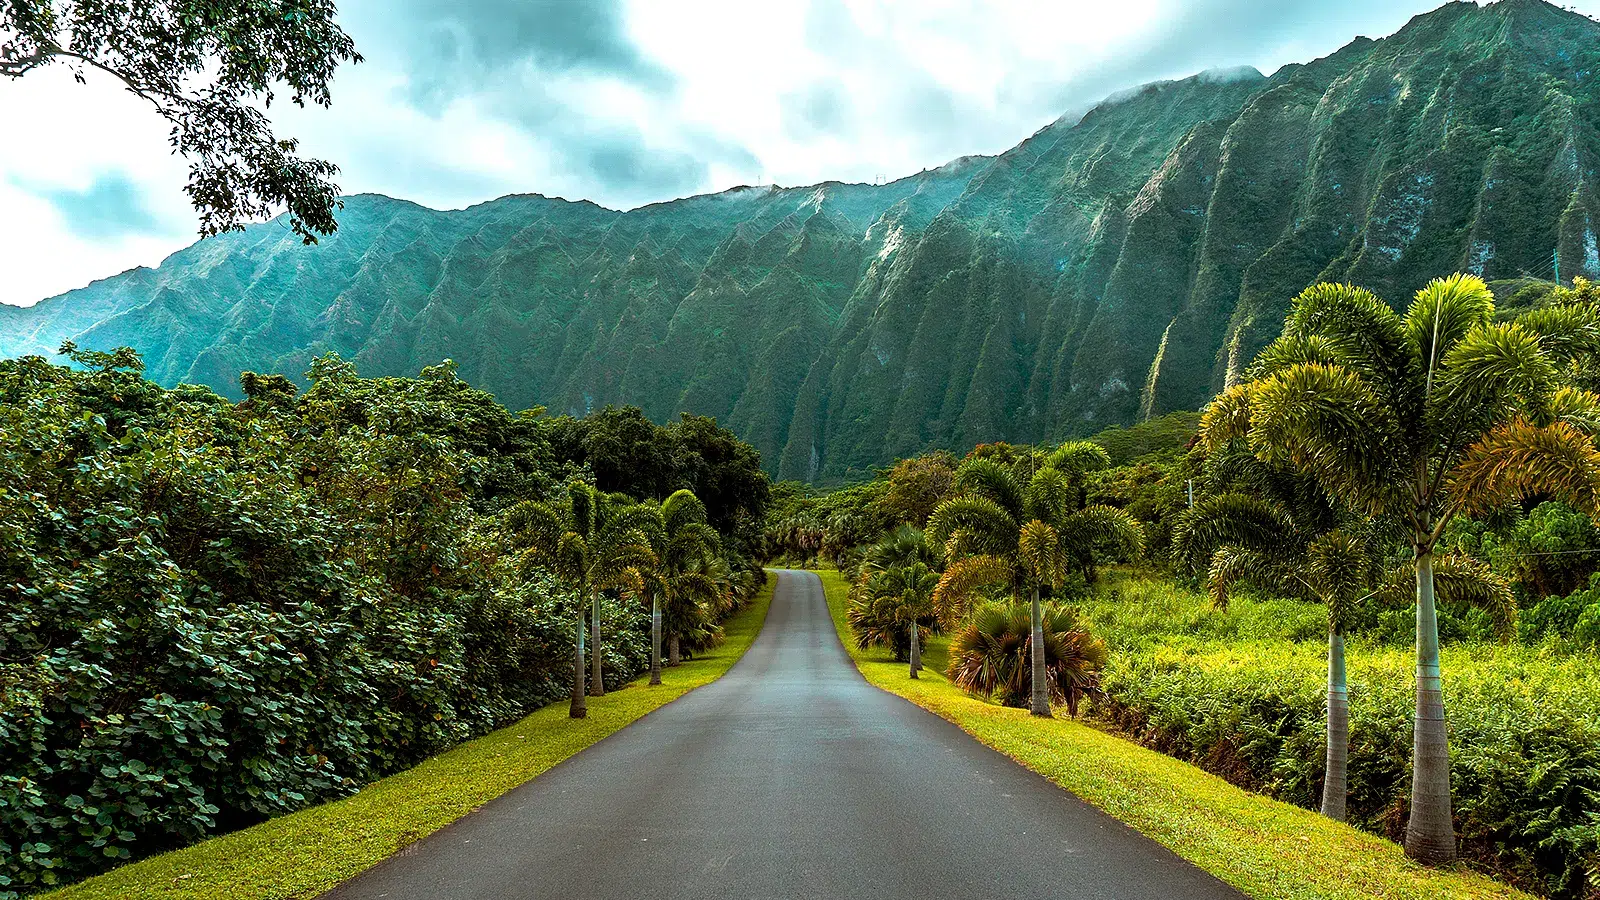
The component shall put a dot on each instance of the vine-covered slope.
(1103, 270)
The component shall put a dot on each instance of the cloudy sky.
(627, 102)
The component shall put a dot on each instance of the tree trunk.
(1040, 705)
(1430, 833)
(674, 653)
(916, 650)
(655, 640)
(580, 706)
(1335, 785)
(597, 684)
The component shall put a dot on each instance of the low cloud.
(628, 102)
(111, 207)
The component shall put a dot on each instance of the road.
(789, 777)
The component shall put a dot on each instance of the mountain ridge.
(1113, 265)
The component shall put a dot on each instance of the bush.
(213, 614)
(1232, 693)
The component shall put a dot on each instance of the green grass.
(305, 853)
(1262, 847)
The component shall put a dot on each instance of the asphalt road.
(789, 777)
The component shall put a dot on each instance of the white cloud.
(634, 101)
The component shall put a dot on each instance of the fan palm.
(1024, 536)
(590, 543)
(987, 655)
(1415, 419)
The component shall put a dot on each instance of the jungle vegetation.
(1376, 480)
(215, 612)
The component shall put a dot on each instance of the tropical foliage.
(212, 613)
(1414, 420)
(991, 655)
(1303, 537)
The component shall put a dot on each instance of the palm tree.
(888, 603)
(1022, 532)
(891, 606)
(684, 584)
(986, 655)
(1416, 419)
(591, 543)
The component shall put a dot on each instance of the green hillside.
(1101, 272)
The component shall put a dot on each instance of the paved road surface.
(789, 777)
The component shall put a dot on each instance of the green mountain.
(1106, 269)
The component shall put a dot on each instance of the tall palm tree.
(1022, 533)
(1418, 418)
(590, 543)
(683, 583)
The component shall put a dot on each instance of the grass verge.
(1265, 848)
(307, 852)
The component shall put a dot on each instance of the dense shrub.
(211, 614)
(1241, 693)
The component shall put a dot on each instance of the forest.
(1388, 524)
(213, 613)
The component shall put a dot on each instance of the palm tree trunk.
(1335, 785)
(655, 640)
(916, 650)
(674, 654)
(1430, 832)
(1040, 705)
(580, 706)
(597, 684)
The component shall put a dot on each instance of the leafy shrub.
(1234, 694)
(213, 614)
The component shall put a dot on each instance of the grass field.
(305, 853)
(1262, 847)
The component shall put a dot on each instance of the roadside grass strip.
(1263, 847)
(305, 853)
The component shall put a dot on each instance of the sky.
(628, 102)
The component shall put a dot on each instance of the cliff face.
(1105, 269)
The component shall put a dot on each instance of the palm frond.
(1048, 496)
(962, 578)
(1039, 551)
(1231, 565)
(682, 508)
(1240, 519)
(1363, 334)
(1519, 459)
(1576, 407)
(987, 478)
(1076, 459)
(1492, 370)
(1102, 529)
(1328, 423)
(1566, 331)
(1461, 580)
(1444, 312)
(1292, 350)
(1339, 569)
(982, 525)
(900, 547)
(532, 525)
(1227, 418)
